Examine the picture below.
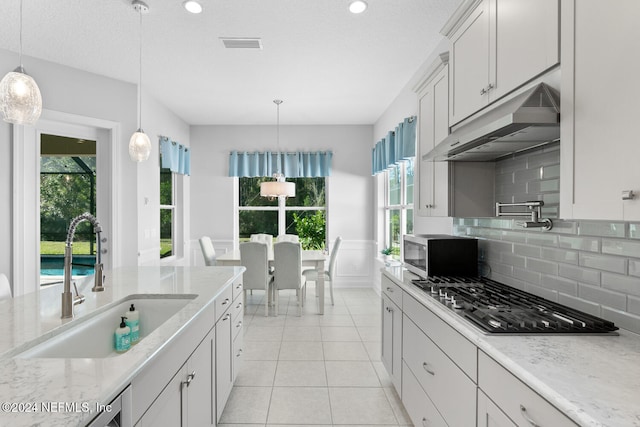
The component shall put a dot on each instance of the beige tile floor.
(314, 370)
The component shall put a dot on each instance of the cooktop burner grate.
(497, 308)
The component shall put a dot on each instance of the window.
(167, 213)
(398, 206)
(303, 214)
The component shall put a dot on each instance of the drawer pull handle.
(389, 289)
(526, 416)
(226, 317)
(239, 305)
(239, 324)
(425, 422)
(239, 286)
(389, 309)
(427, 368)
(226, 301)
(190, 378)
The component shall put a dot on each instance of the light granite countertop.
(594, 380)
(86, 383)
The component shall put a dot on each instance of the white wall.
(349, 192)
(77, 92)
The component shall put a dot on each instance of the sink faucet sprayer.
(68, 300)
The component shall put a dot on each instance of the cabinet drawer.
(223, 302)
(237, 288)
(462, 351)
(393, 291)
(417, 403)
(524, 406)
(237, 317)
(238, 356)
(451, 391)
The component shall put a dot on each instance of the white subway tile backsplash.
(552, 171)
(602, 228)
(602, 296)
(526, 250)
(560, 284)
(580, 243)
(542, 239)
(542, 266)
(560, 255)
(542, 292)
(625, 284)
(622, 319)
(527, 276)
(580, 304)
(580, 274)
(633, 305)
(627, 248)
(634, 267)
(514, 260)
(602, 262)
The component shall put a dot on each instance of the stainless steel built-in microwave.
(440, 255)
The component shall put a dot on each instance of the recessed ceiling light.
(358, 6)
(192, 6)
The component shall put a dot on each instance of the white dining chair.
(208, 251)
(329, 273)
(5, 287)
(264, 238)
(289, 238)
(253, 256)
(288, 271)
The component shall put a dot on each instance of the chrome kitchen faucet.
(68, 300)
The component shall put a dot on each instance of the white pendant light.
(20, 99)
(278, 187)
(139, 144)
(192, 6)
(358, 6)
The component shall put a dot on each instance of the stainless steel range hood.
(529, 119)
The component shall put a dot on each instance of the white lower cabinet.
(391, 355)
(189, 383)
(186, 400)
(224, 366)
(489, 415)
(421, 410)
(521, 404)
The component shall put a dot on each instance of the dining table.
(309, 258)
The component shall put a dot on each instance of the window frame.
(281, 208)
(173, 209)
(403, 206)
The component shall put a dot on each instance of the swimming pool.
(53, 265)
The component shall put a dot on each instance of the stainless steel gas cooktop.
(497, 308)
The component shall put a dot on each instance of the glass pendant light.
(20, 99)
(278, 187)
(139, 144)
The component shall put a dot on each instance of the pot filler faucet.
(535, 208)
(68, 299)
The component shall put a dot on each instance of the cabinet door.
(224, 367)
(199, 389)
(470, 64)
(489, 415)
(526, 42)
(418, 405)
(426, 135)
(166, 411)
(604, 107)
(392, 342)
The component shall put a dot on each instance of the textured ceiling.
(328, 65)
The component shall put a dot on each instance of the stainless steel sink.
(92, 337)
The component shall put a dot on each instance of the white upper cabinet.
(433, 126)
(497, 46)
(599, 110)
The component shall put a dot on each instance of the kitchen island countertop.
(593, 379)
(69, 392)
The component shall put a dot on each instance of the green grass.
(166, 249)
(57, 248)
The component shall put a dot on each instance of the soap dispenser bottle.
(133, 322)
(122, 337)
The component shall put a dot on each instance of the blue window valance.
(398, 145)
(291, 165)
(175, 157)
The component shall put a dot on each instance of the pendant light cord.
(140, 76)
(20, 34)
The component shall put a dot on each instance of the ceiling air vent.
(241, 42)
